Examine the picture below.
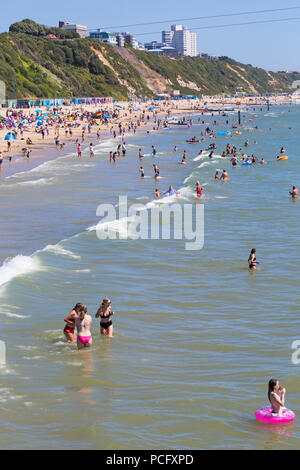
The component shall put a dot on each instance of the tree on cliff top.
(28, 27)
(32, 28)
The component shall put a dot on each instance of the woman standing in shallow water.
(105, 313)
(70, 320)
(252, 261)
(83, 324)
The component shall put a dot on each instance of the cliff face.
(35, 67)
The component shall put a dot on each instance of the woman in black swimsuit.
(252, 259)
(105, 313)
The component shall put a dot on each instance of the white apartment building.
(167, 37)
(182, 39)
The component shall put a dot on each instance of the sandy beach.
(45, 146)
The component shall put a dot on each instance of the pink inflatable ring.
(265, 414)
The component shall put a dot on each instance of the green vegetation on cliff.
(32, 65)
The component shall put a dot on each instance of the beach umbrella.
(151, 108)
(117, 106)
(10, 136)
(38, 110)
(48, 106)
(2, 118)
(45, 114)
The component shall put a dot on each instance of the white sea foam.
(39, 182)
(18, 266)
(199, 157)
(204, 164)
(43, 168)
(26, 348)
(60, 251)
(13, 315)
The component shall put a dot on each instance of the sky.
(267, 45)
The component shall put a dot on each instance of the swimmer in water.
(69, 330)
(142, 172)
(105, 313)
(140, 154)
(156, 171)
(276, 395)
(171, 191)
(92, 152)
(294, 193)
(153, 151)
(157, 193)
(217, 177)
(252, 261)
(262, 162)
(225, 176)
(234, 161)
(83, 324)
(199, 189)
(175, 148)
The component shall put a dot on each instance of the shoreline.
(45, 149)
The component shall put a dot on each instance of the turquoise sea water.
(197, 336)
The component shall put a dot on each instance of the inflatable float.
(284, 157)
(266, 416)
(192, 141)
(247, 163)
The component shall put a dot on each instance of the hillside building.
(184, 41)
(78, 28)
(107, 38)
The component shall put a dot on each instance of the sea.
(197, 335)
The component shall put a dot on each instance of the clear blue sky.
(272, 46)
